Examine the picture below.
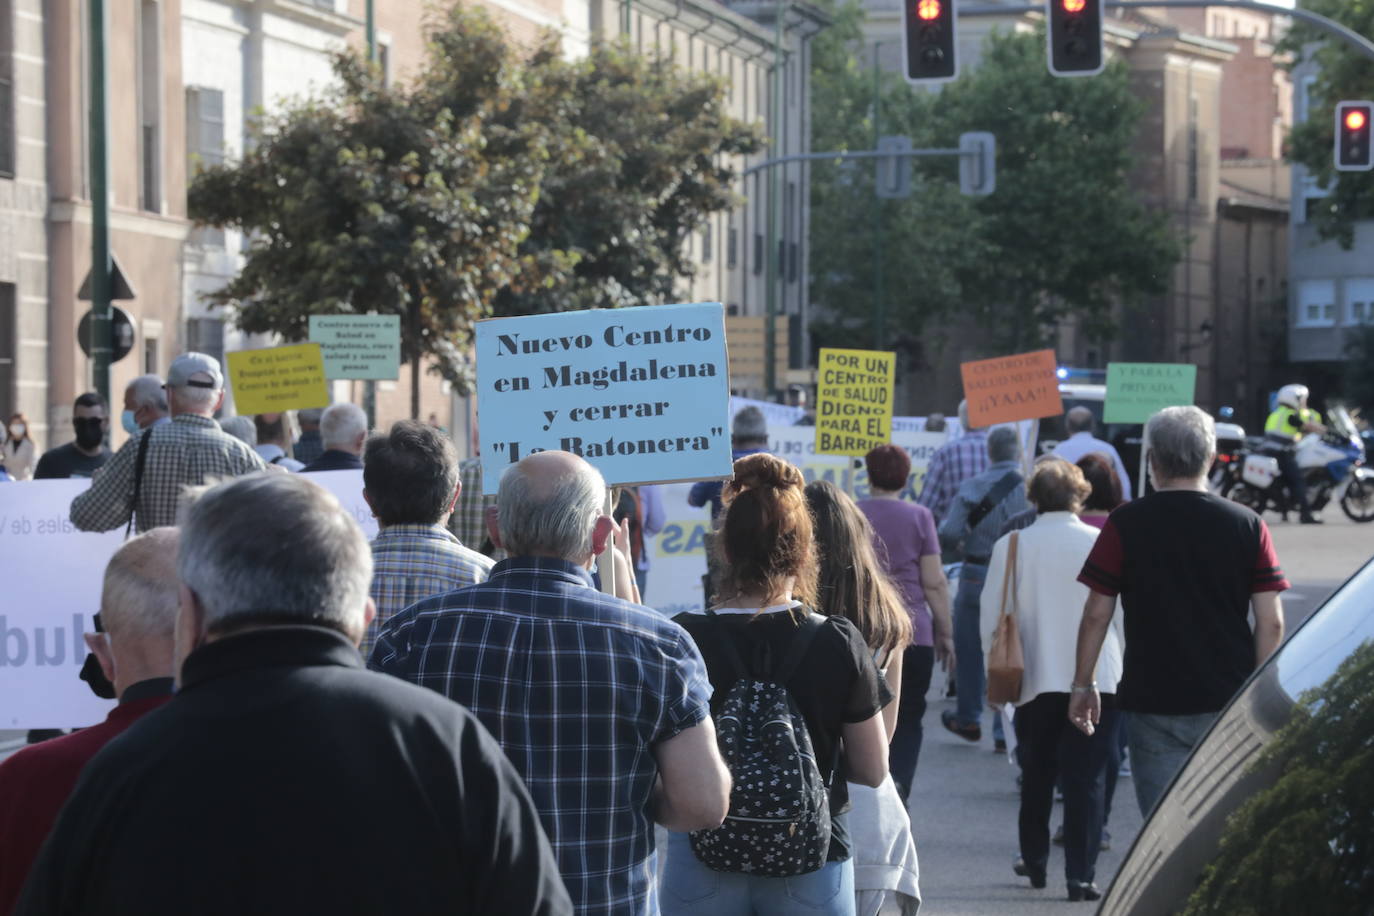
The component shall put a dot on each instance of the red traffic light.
(1354, 149)
(1074, 6)
(1355, 119)
(928, 9)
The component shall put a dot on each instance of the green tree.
(1064, 237)
(410, 200)
(640, 161)
(1342, 73)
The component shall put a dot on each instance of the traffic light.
(928, 40)
(1353, 150)
(1075, 37)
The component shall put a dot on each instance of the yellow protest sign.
(279, 378)
(853, 400)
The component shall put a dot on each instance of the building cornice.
(151, 224)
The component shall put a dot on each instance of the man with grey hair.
(1078, 424)
(410, 481)
(145, 404)
(283, 777)
(343, 431)
(133, 644)
(601, 704)
(1189, 568)
(147, 477)
(953, 463)
(983, 504)
(308, 447)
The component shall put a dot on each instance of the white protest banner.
(773, 414)
(52, 581)
(641, 393)
(53, 574)
(678, 553)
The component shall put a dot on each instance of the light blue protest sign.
(641, 393)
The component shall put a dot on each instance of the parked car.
(1274, 811)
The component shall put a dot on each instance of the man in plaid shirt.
(410, 476)
(601, 704)
(187, 452)
(952, 464)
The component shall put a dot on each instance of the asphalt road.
(965, 799)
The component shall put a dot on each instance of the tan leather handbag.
(1006, 663)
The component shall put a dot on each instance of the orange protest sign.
(1011, 388)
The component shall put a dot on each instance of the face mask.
(88, 432)
(126, 419)
(17, 430)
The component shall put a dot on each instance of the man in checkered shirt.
(187, 452)
(601, 704)
(952, 464)
(410, 479)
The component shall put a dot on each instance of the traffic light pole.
(1330, 26)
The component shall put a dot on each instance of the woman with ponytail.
(766, 591)
(853, 585)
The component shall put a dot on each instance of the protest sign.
(358, 346)
(853, 400)
(53, 578)
(1011, 388)
(678, 553)
(641, 393)
(278, 378)
(1137, 391)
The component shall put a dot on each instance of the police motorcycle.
(1226, 468)
(1333, 464)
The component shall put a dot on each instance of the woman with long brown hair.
(766, 586)
(853, 585)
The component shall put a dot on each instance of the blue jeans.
(690, 887)
(969, 676)
(1159, 746)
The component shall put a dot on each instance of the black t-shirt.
(69, 461)
(836, 682)
(1185, 564)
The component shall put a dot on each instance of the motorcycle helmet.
(1293, 396)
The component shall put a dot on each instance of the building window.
(758, 252)
(1359, 297)
(707, 242)
(732, 248)
(152, 356)
(384, 62)
(206, 335)
(9, 350)
(7, 143)
(1192, 147)
(204, 147)
(1316, 303)
(150, 106)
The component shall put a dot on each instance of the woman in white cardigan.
(1047, 601)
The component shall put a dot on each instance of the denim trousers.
(1051, 747)
(1159, 747)
(918, 662)
(690, 887)
(969, 676)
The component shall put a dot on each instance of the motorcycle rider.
(1289, 422)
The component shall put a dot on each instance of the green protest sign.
(1136, 391)
(358, 346)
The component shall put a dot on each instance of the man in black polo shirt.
(1188, 566)
(283, 777)
(85, 456)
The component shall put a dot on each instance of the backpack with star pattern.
(779, 820)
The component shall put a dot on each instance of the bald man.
(138, 609)
(1078, 424)
(601, 704)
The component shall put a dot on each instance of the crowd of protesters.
(462, 717)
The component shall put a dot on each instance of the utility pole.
(101, 326)
(879, 306)
(369, 386)
(770, 336)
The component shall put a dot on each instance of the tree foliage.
(1064, 236)
(1305, 844)
(1342, 73)
(496, 182)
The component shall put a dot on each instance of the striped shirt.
(952, 464)
(189, 451)
(578, 687)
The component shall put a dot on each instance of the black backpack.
(779, 820)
